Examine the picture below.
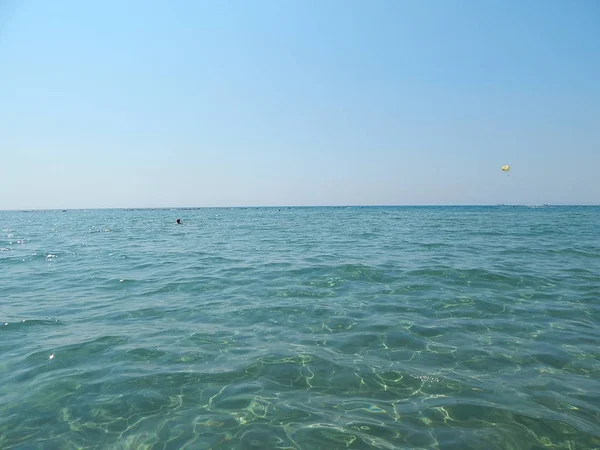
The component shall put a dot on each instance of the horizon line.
(300, 206)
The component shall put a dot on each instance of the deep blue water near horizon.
(300, 328)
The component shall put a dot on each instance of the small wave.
(360, 272)
(305, 293)
(575, 252)
(28, 323)
(73, 351)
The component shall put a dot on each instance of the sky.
(111, 104)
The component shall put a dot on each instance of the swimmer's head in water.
(179, 221)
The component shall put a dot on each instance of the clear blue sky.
(284, 102)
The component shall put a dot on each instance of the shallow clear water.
(301, 328)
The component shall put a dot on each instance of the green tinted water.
(302, 328)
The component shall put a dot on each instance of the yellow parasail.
(506, 168)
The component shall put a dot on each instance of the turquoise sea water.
(301, 328)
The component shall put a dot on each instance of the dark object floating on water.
(178, 221)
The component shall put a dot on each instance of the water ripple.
(301, 328)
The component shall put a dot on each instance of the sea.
(301, 328)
